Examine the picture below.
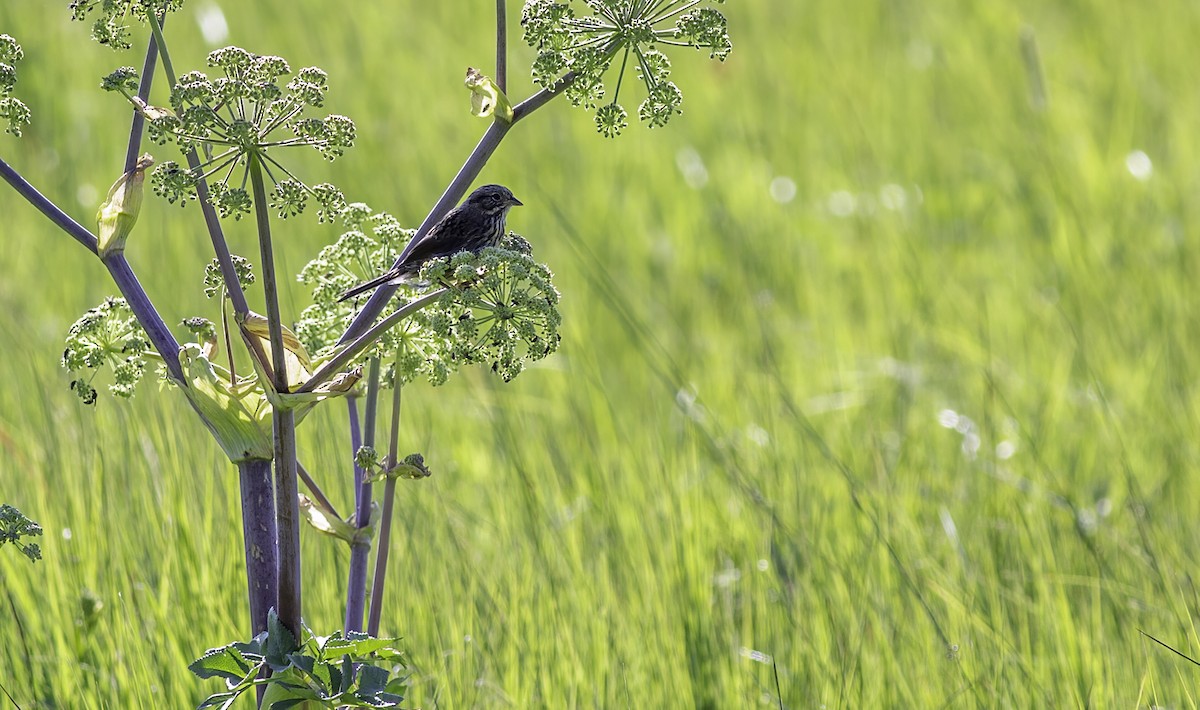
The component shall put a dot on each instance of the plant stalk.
(287, 493)
(164, 342)
(314, 489)
(360, 551)
(258, 530)
(211, 220)
(160, 336)
(385, 522)
(52, 211)
(134, 149)
(501, 46)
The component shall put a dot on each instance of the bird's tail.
(369, 285)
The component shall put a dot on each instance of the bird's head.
(493, 198)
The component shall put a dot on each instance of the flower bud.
(119, 212)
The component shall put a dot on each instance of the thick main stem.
(287, 516)
(385, 517)
(258, 530)
(287, 493)
(360, 550)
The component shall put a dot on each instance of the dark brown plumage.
(472, 226)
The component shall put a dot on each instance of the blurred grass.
(869, 366)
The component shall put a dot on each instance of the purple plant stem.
(501, 46)
(355, 445)
(287, 492)
(287, 516)
(139, 121)
(314, 489)
(64, 221)
(211, 220)
(360, 551)
(258, 530)
(381, 558)
(385, 522)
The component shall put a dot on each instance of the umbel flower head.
(501, 309)
(14, 526)
(498, 307)
(630, 29)
(13, 111)
(246, 113)
(110, 27)
(108, 334)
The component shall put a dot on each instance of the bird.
(475, 224)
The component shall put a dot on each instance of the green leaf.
(372, 679)
(357, 647)
(323, 673)
(280, 642)
(221, 700)
(302, 662)
(335, 678)
(347, 674)
(225, 662)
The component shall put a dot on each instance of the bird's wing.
(438, 242)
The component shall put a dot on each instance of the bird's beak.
(516, 203)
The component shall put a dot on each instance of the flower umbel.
(110, 28)
(13, 111)
(214, 284)
(14, 526)
(248, 112)
(108, 334)
(501, 309)
(631, 29)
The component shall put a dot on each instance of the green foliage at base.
(355, 670)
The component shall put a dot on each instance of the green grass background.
(924, 434)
